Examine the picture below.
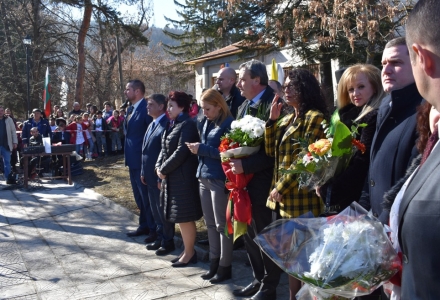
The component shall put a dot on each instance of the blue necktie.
(151, 129)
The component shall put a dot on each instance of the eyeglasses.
(288, 86)
(291, 88)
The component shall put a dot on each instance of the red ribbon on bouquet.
(238, 196)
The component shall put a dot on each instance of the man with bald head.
(226, 80)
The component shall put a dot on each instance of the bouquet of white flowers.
(243, 140)
(347, 255)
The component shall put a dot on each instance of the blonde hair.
(214, 98)
(374, 77)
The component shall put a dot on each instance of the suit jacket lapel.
(160, 125)
(418, 180)
(381, 118)
(242, 109)
(292, 129)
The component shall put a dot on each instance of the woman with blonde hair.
(360, 93)
(216, 122)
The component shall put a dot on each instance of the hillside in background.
(157, 36)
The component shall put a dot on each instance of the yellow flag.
(274, 75)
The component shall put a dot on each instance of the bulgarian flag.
(46, 94)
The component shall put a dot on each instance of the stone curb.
(202, 254)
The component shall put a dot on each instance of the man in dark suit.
(225, 82)
(393, 146)
(253, 84)
(419, 213)
(137, 122)
(163, 241)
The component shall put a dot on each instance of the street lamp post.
(27, 41)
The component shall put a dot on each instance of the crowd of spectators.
(95, 133)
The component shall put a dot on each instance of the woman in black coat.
(177, 168)
(360, 93)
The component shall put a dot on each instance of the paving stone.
(27, 297)
(110, 296)
(63, 293)
(195, 295)
(14, 279)
(94, 289)
(66, 244)
(10, 257)
(54, 283)
(6, 269)
(131, 281)
(148, 292)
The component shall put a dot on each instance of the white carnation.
(259, 131)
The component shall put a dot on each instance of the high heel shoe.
(174, 260)
(179, 264)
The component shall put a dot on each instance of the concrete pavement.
(67, 242)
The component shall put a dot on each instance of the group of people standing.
(176, 172)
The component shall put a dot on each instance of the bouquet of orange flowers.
(321, 160)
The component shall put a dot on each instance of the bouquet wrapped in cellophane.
(243, 140)
(346, 255)
(325, 158)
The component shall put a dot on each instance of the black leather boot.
(223, 273)
(212, 269)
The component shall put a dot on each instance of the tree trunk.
(79, 85)
(8, 41)
(20, 88)
(325, 70)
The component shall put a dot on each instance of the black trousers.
(265, 270)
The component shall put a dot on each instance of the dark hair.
(107, 103)
(136, 84)
(182, 100)
(422, 25)
(399, 41)
(256, 69)
(159, 99)
(94, 108)
(309, 92)
(423, 128)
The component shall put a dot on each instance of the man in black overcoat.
(253, 84)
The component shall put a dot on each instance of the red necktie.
(433, 139)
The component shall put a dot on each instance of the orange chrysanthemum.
(320, 147)
(227, 144)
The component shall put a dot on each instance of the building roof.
(225, 51)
